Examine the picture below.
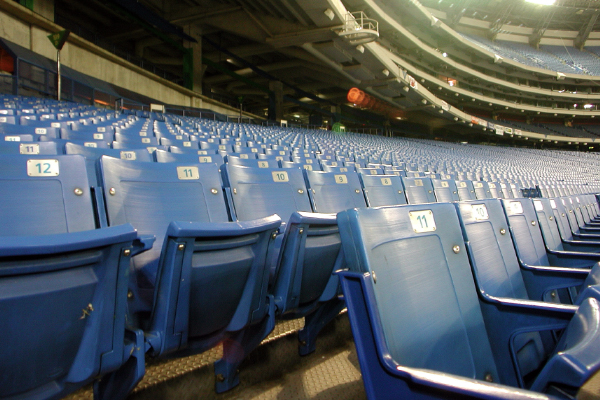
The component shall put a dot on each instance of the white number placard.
(477, 185)
(422, 221)
(538, 205)
(479, 212)
(254, 150)
(308, 167)
(27, 148)
(279, 158)
(333, 164)
(3, 119)
(263, 164)
(344, 169)
(55, 124)
(386, 181)
(341, 179)
(309, 161)
(282, 153)
(143, 133)
(179, 137)
(101, 129)
(280, 176)
(98, 136)
(187, 173)
(373, 172)
(462, 184)
(90, 144)
(244, 156)
(187, 144)
(205, 159)
(202, 152)
(40, 131)
(516, 207)
(492, 185)
(444, 184)
(145, 140)
(552, 203)
(128, 155)
(418, 182)
(12, 138)
(42, 168)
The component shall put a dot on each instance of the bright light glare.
(542, 2)
(588, 106)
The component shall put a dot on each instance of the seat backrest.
(549, 223)
(526, 233)
(497, 268)
(408, 250)
(260, 192)
(166, 157)
(466, 191)
(382, 190)
(152, 195)
(495, 190)
(252, 162)
(482, 190)
(28, 148)
(486, 230)
(332, 192)
(418, 190)
(42, 195)
(568, 210)
(445, 190)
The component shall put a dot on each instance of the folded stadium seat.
(36, 132)
(305, 254)
(254, 163)
(418, 190)
(415, 174)
(29, 148)
(64, 284)
(133, 142)
(336, 169)
(564, 205)
(188, 150)
(93, 154)
(495, 190)
(466, 191)
(186, 144)
(17, 137)
(382, 190)
(166, 156)
(581, 212)
(496, 268)
(411, 344)
(370, 171)
(246, 150)
(515, 189)
(445, 190)
(107, 137)
(482, 190)
(330, 163)
(554, 275)
(332, 192)
(177, 288)
(308, 164)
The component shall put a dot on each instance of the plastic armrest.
(561, 271)
(210, 229)
(574, 254)
(313, 218)
(586, 246)
(66, 242)
(530, 306)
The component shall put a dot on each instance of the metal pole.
(59, 80)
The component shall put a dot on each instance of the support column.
(276, 101)
(193, 70)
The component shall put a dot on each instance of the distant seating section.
(555, 58)
(162, 236)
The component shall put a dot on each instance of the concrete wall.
(30, 30)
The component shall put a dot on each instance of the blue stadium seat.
(332, 192)
(498, 275)
(418, 326)
(418, 190)
(205, 279)
(548, 282)
(166, 157)
(482, 190)
(445, 190)
(64, 285)
(252, 162)
(305, 254)
(466, 191)
(28, 148)
(382, 190)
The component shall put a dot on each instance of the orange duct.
(362, 99)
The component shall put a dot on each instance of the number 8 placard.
(422, 221)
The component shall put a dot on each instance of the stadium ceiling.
(566, 15)
(245, 44)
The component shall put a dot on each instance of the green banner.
(58, 39)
